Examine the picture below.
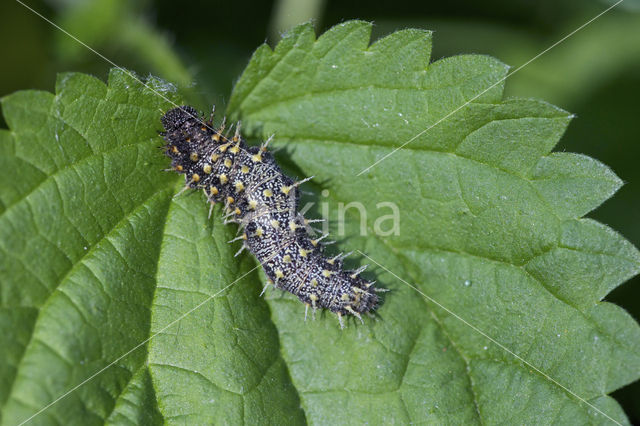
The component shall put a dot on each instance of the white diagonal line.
(94, 375)
(489, 88)
(129, 73)
(363, 171)
(494, 341)
(181, 317)
(162, 330)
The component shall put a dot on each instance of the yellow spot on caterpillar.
(244, 236)
(313, 297)
(214, 157)
(239, 186)
(267, 192)
(195, 177)
(244, 169)
(326, 273)
(194, 157)
(304, 252)
(330, 261)
(215, 137)
(238, 211)
(204, 129)
(223, 178)
(207, 169)
(285, 189)
(314, 242)
(174, 149)
(224, 147)
(257, 158)
(234, 149)
(259, 232)
(179, 168)
(279, 274)
(275, 223)
(253, 204)
(213, 190)
(286, 258)
(230, 200)
(314, 282)
(293, 225)
(344, 297)
(227, 163)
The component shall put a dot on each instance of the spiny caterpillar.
(264, 202)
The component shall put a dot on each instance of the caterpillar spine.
(264, 203)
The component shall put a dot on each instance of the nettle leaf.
(490, 227)
(98, 257)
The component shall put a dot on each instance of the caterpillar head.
(175, 118)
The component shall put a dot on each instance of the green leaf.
(490, 227)
(81, 228)
(98, 258)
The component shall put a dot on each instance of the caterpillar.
(264, 203)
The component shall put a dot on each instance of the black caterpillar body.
(264, 202)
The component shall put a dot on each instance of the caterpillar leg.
(186, 187)
(266, 286)
(313, 311)
(354, 313)
(240, 251)
(340, 320)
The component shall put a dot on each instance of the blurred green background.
(204, 46)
